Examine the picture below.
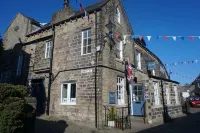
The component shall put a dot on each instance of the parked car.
(194, 101)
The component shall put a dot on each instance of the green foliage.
(112, 114)
(12, 103)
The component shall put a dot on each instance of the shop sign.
(151, 65)
(112, 99)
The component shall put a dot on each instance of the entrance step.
(138, 119)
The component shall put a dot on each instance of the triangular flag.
(182, 38)
(149, 38)
(199, 37)
(174, 38)
(157, 37)
(192, 61)
(81, 7)
(140, 37)
(188, 62)
(165, 37)
(191, 38)
(196, 61)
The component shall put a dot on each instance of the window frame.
(176, 95)
(87, 45)
(158, 96)
(121, 83)
(168, 94)
(19, 65)
(138, 60)
(68, 94)
(120, 49)
(118, 15)
(198, 84)
(48, 46)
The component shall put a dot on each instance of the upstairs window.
(138, 60)
(86, 42)
(176, 94)
(119, 51)
(168, 94)
(19, 65)
(117, 15)
(48, 49)
(68, 93)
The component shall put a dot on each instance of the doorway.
(137, 99)
(38, 91)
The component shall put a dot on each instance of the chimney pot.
(66, 3)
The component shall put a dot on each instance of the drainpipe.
(50, 70)
(95, 69)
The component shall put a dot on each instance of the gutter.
(50, 70)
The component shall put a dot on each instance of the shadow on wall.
(44, 126)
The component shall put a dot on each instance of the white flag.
(199, 37)
(174, 38)
(149, 38)
(196, 61)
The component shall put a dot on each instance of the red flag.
(191, 38)
(81, 7)
(165, 37)
(117, 36)
(140, 37)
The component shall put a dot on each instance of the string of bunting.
(178, 74)
(183, 62)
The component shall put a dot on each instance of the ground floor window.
(176, 94)
(68, 93)
(168, 94)
(156, 94)
(120, 90)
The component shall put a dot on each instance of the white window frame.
(119, 48)
(118, 15)
(156, 94)
(120, 92)
(176, 95)
(68, 100)
(48, 49)
(87, 45)
(138, 60)
(153, 72)
(168, 94)
(19, 65)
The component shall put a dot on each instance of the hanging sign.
(112, 99)
(151, 65)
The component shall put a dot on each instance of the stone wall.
(154, 112)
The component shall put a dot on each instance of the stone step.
(135, 118)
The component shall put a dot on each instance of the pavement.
(189, 123)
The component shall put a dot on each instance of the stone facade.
(70, 65)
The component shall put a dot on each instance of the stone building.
(75, 64)
(14, 36)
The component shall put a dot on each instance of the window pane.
(73, 90)
(89, 33)
(89, 41)
(84, 42)
(64, 91)
(85, 34)
(89, 49)
(84, 50)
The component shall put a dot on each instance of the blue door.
(137, 100)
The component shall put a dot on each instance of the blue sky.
(153, 18)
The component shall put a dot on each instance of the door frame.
(131, 96)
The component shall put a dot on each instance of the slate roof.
(89, 9)
(187, 87)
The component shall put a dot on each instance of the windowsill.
(86, 54)
(157, 106)
(119, 60)
(67, 103)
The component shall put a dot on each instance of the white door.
(120, 90)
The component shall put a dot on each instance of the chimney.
(66, 3)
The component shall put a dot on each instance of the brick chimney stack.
(66, 3)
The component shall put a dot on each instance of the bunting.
(182, 62)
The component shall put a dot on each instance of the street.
(186, 124)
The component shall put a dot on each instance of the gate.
(117, 118)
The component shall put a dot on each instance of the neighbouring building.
(70, 57)
(196, 83)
